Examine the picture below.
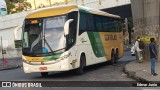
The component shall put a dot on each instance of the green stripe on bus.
(53, 57)
(83, 10)
(96, 44)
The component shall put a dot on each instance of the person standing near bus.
(138, 50)
(153, 56)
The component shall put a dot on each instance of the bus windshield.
(44, 36)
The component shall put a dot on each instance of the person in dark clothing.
(153, 56)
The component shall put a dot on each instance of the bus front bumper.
(58, 66)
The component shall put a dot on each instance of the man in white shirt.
(138, 50)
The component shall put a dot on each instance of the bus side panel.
(97, 47)
(73, 60)
(121, 51)
(112, 40)
(84, 46)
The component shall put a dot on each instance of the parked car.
(133, 50)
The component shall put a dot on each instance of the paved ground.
(17, 62)
(100, 72)
(10, 64)
(142, 71)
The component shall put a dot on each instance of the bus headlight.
(65, 56)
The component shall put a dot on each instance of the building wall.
(37, 3)
(99, 4)
(8, 24)
(145, 16)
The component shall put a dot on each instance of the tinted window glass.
(96, 23)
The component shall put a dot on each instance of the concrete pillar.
(138, 15)
(146, 20)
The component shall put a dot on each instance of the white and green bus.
(70, 37)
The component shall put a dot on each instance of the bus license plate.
(42, 68)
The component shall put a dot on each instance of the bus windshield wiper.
(58, 50)
(48, 46)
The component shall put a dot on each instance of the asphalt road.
(100, 72)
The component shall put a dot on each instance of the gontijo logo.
(109, 37)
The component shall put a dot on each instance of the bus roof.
(64, 9)
(97, 12)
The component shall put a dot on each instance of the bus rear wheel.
(113, 58)
(44, 74)
(116, 56)
(80, 70)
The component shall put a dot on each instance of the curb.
(10, 67)
(132, 74)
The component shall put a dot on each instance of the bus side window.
(72, 29)
(87, 22)
(83, 23)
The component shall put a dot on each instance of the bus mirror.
(66, 26)
(16, 30)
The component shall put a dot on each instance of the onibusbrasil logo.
(21, 84)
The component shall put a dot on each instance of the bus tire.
(113, 58)
(80, 70)
(44, 74)
(116, 56)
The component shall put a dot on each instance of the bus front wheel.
(44, 74)
(80, 70)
